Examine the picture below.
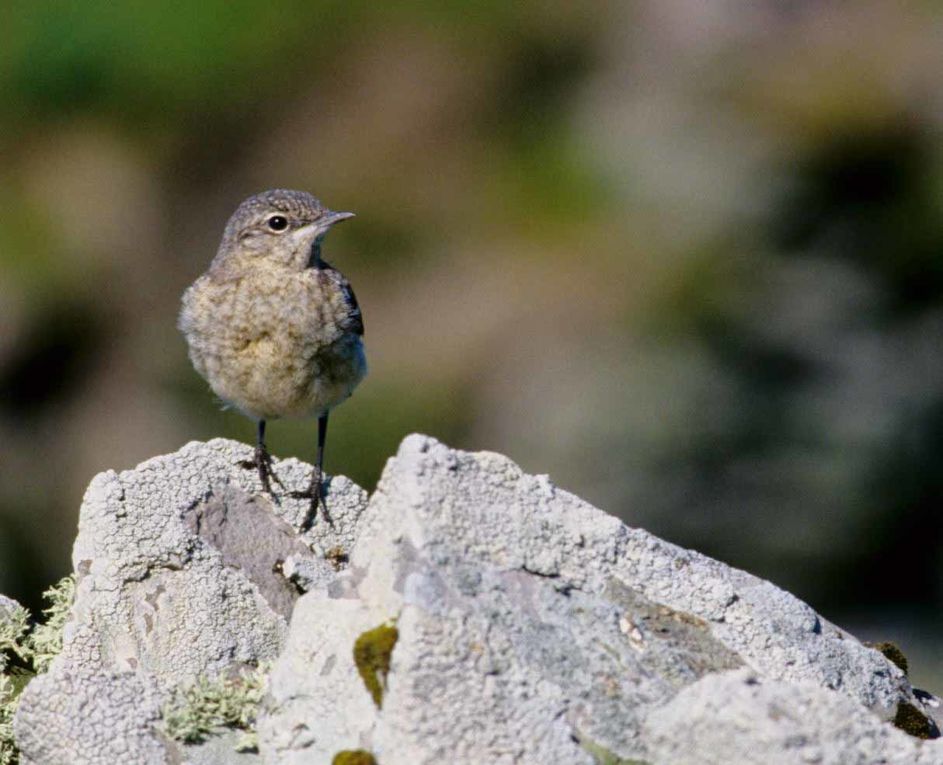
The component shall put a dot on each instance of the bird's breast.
(274, 345)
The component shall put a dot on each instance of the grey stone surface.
(741, 718)
(318, 703)
(532, 628)
(932, 706)
(220, 749)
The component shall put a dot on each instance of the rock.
(309, 719)
(483, 616)
(738, 717)
(177, 564)
(75, 714)
(219, 749)
(534, 628)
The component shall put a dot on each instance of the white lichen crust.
(79, 715)
(178, 582)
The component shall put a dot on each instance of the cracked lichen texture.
(530, 623)
(154, 589)
(80, 716)
(176, 565)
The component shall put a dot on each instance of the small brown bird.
(275, 330)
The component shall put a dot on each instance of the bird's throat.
(314, 259)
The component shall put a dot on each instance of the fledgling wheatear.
(275, 330)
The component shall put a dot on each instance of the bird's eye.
(278, 223)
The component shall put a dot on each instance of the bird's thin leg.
(316, 490)
(317, 480)
(262, 458)
(262, 461)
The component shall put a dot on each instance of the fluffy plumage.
(275, 330)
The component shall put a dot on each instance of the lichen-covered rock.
(736, 717)
(176, 560)
(178, 579)
(469, 614)
(534, 628)
(303, 726)
(83, 715)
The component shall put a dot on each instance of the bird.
(274, 329)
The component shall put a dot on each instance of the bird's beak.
(329, 218)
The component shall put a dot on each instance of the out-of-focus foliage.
(686, 257)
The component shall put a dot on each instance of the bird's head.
(277, 227)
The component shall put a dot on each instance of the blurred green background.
(685, 257)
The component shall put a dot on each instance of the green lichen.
(911, 720)
(603, 756)
(354, 757)
(24, 654)
(892, 653)
(8, 751)
(11, 684)
(205, 707)
(14, 624)
(45, 641)
(372, 652)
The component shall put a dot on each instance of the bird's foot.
(262, 461)
(315, 492)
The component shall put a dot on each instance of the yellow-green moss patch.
(354, 757)
(892, 653)
(911, 720)
(603, 756)
(372, 651)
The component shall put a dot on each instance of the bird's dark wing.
(336, 290)
(354, 315)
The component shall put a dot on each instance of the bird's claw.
(262, 461)
(315, 492)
